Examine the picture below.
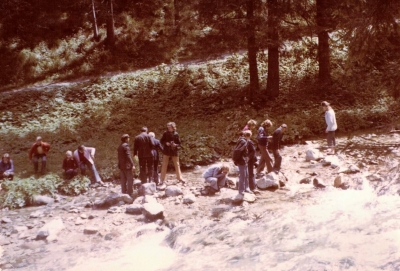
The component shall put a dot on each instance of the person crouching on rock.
(215, 178)
(84, 156)
(70, 166)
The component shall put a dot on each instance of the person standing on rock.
(330, 120)
(156, 158)
(276, 144)
(84, 156)
(125, 165)
(216, 177)
(262, 137)
(171, 143)
(240, 160)
(6, 167)
(39, 151)
(70, 166)
(143, 147)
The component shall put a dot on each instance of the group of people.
(147, 147)
(244, 154)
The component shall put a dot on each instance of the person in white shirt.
(84, 156)
(330, 120)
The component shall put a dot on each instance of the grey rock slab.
(147, 189)
(134, 209)
(153, 210)
(173, 191)
(6, 220)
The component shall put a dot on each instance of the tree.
(322, 19)
(110, 39)
(95, 29)
(252, 50)
(273, 49)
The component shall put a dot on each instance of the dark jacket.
(251, 151)
(7, 167)
(33, 151)
(69, 164)
(143, 145)
(240, 152)
(157, 147)
(124, 157)
(170, 137)
(276, 139)
(262, 137)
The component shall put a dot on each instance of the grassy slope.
(205, 100)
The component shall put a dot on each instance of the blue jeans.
(83, 165)
(36, 162)
(243, 178)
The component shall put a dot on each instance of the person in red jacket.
(39, 151)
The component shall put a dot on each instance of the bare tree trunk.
(323, 43)
(95, 29)
(252, 51)
(273, 50)
(110, 26)
(177, 18)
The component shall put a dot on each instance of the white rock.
(153, 210)
(238, 198)
(249, 197)
(333, 160)
(6, 220)
(41, 200)
(312, 154)
(149, 199)
(270, 180)
(51, 229)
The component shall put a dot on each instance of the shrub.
(75, 186)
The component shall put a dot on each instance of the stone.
(113, 199)
(218, 210)
(332, 160)
(38, 200)
(92, 216)
(269, 181)
(108, 237)
(338, 181)
(79, 221)
(173, 191)
(249, 197)
(6, 220)
(90, 230)
(83, 216)
(189, 198)
(50, 230)
(4, 241)
(19, 229)
(312, 155)
(153, 210)
(350, 170)
(161, 187)
(238, 198)
(139, 200)
(126, 198)
(149, 199)
(134, 209)
(114, 210)
(36, 214)
(318, 183)
(375, 178)
(147, 189)
(306, 180)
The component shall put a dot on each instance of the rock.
(83, 216)
(38, 200)
(147, 189)
(92, 216)
(114, 210)
(149, 199)
(162, 187)
(4, 241)
(113, 199)
(269, 181)
(312, 155)
(6, 220)
(79, 221)
(126, 198)
(108, 237)
(50, 230)
(375, 178)
(306, 180)
(36, 214)
(238, 198)
(189, 199)
(331, 160)
(318, 183)
(173, 191)
(134, 209)
(153, 210)
(338, 181)
(218, 210)
(350, 170)
(249, 197)
(139, 200)
(19, 229)
(90, 230)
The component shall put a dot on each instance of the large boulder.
(41, 200)
(269, 181)
(173, 191)
(134, 209)
(313, 154)
(147, 189)
(113, 199)
(50, 230)
(153, 210)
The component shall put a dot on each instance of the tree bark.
(252, 51)
(324, 63)
(95, 29)
(177, 25)
(110, 26)
(273, 50)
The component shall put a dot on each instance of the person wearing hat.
(330, 120)
(125, 165)
(70, 166)
(276, 144)
(39, 151)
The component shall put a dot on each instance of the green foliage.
(18, 193)
(76, 186)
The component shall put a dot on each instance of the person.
(70, 166)
(39, 151)
(84, 156)
(6, 167)
(251, 124)
(252, 160)
(330, 120)
(276, 144)
(171, 143)
(262, 138)
(125, 165)
(216, 177)
(142, 147)
(240, 160)
(156, 158)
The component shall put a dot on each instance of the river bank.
(295, 227)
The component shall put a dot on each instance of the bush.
(75, 186)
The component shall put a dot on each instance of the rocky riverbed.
(283, 227)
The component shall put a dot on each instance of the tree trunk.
(273, 50)
(323, 42)
(110, 26)
(95, 29)
(177, 25)
(252, 51)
